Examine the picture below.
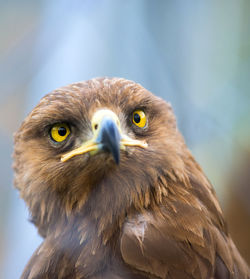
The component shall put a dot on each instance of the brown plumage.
(148, 211)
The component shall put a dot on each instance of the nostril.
(96, 126)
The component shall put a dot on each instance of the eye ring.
(59, 132)
(139, 118)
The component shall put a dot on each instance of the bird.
(115, 192)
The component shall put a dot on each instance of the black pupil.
(137, 118)
(62, 131)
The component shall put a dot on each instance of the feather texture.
(155, 215)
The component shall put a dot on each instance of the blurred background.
(194, 54)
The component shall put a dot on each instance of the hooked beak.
(107, 136)
(110, 137)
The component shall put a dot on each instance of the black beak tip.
(116, 157)
(110, 139)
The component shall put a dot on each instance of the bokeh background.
(195, 54)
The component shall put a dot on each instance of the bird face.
(102, 137)
(107, 136)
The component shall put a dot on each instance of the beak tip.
(117, 159)
(109, 136)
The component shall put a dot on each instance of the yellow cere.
(59, 132)
(139, 118)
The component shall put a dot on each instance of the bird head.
(100, 144)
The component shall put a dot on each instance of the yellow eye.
(139, 118)
(59, 132)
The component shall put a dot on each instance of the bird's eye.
(59, 132)
(139, 118)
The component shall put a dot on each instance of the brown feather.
(155, 215)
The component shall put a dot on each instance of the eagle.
(114, 191)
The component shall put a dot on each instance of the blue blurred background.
(195, 54)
